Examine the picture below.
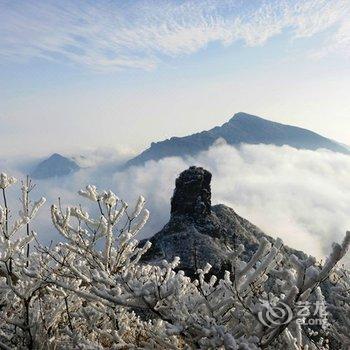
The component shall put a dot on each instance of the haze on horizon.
(89, 74)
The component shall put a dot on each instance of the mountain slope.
(199, 233)
(241, 128)
(55, 166)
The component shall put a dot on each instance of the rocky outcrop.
(192, 193)
(198, 232)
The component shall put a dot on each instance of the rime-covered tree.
(92, 292)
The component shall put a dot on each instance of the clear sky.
(86, 74)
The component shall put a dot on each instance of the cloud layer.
(298, 195)
(301, 196)
(138, 34)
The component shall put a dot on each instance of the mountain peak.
(240, 116)
(54, 166)
(242, 128)
(243, 115)
(56, 156)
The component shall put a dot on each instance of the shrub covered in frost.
(91, 292)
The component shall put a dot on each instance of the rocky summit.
(192, 193)
(198, 232)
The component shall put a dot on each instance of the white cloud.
(301, 196)
(115, 35)
(298, 195)
(102, 157)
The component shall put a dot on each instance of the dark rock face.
(192, 193)
(199, 233)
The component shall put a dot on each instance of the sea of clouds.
(300, 196)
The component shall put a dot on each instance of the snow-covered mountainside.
(241, 128)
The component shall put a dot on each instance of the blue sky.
(86, 74)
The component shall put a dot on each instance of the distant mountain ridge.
(54, 166)
(241, 128)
